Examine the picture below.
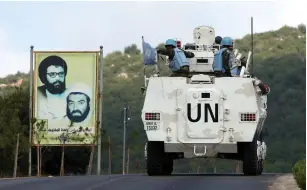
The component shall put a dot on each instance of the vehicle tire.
(168, 165)
(250, 160)
(158, 163)
(260, 162)
(260, 167)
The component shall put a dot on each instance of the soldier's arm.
(189, 54)
(164, 52)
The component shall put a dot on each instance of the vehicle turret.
(204, 46)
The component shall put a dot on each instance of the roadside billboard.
(65, 98)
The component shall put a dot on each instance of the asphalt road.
(141, 182)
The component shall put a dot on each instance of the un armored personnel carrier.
(204, 115)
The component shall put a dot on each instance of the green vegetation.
(299, 171)
(279, 61)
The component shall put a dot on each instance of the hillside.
(279, 61)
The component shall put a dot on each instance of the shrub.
(299, 172)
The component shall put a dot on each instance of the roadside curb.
(284, 182)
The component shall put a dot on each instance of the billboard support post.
(30, 110)
(99, 131)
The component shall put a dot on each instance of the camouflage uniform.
(183, 71)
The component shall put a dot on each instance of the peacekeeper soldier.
(179, 63)
(223, 58)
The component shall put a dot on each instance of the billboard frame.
(98, 65)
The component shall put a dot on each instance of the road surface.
(141, 182)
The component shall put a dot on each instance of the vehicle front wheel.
(251, 165)
(158, 163)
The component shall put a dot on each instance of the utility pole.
(16, 157)
(128, 160)
(124, 137)
(124, 140)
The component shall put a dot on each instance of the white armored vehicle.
(204, 115)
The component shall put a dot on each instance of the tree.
(302, 28)
(132, 49)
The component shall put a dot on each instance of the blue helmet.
(170, 42)
(218, 39)
(226, 41)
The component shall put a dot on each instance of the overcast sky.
(87, 25)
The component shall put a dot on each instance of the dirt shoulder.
(284, 182)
